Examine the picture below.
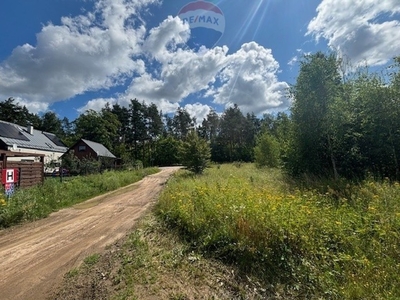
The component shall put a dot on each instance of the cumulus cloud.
(83, 53)
(96, 104)
(184, 73)
(111, 46)
(198, 111)
(248, 76)
(250, 80)
(166, 37)
(33, 106)
(364, 30)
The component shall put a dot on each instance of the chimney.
(30, 129)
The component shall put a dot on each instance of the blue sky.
(71, 55)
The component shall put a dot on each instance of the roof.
(99, 149)
(54, 139)
(14, 135)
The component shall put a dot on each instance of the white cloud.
(165, 38)
(111, 46)
(34, 107)
(96, 104)
(198, 111)
(293, 60)
(183, 73)
(84, 53)
(363, 31)
(250, 80)
(248, 76)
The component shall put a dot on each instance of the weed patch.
(92, 259)
(327, 243)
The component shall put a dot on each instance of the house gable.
(88, 149)
(82, 150)
(100, 149)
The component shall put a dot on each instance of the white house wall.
(48, 155)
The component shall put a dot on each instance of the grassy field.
(38, 202)
(336, 240)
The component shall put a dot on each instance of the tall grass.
(325, 242)
(39, 201)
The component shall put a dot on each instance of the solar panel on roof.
(54, 139)
(9, 131)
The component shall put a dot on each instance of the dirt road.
(34, 257)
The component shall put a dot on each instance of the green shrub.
(266, 152)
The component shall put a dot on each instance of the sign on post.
(9, 177)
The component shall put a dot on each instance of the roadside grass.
(39, 201)
(72, 273)
(154, 263)
(92, 259)
(325, 240)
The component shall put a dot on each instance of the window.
(82, 148)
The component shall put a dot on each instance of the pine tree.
(195, 153)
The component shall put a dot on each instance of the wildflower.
(3, 202)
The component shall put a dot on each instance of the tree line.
(142, 132)
(342, 123)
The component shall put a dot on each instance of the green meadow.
(310, 238)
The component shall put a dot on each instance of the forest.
(343, 122)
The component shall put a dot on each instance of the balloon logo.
(206, 22)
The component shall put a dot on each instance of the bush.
(195, 153)
(266, 152)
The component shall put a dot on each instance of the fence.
(30, 172)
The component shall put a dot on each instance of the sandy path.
(34, 257)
